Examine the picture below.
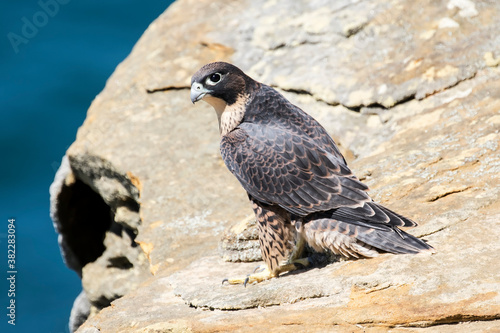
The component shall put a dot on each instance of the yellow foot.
(265, 274)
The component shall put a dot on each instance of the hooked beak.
(198, 92)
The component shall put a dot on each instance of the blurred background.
(55, 58)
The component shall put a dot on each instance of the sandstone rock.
(120, 268)
(241, 242)
(80, 311)
(414, 106)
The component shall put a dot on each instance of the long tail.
(351, 240)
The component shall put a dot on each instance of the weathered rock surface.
(241, 242)
(410, 90)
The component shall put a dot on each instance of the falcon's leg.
(265, 274)
(281, 250)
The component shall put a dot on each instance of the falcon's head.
(220, 84)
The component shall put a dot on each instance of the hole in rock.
(84, 218)
(120, 262)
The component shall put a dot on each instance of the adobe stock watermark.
(30, 27)
(11, 271)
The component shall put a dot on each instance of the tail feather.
(359, 239)
(392, 241)
(373, 213)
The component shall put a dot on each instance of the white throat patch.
(229, 116)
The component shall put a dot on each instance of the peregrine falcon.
(299, 184)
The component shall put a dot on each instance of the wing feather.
(295, 173)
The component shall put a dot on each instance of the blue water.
(48, 78)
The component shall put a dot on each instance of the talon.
(259, 267)
(265, 274)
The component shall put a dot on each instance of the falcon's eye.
(214, 79)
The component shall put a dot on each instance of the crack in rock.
(446, 193)
(168, 88)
